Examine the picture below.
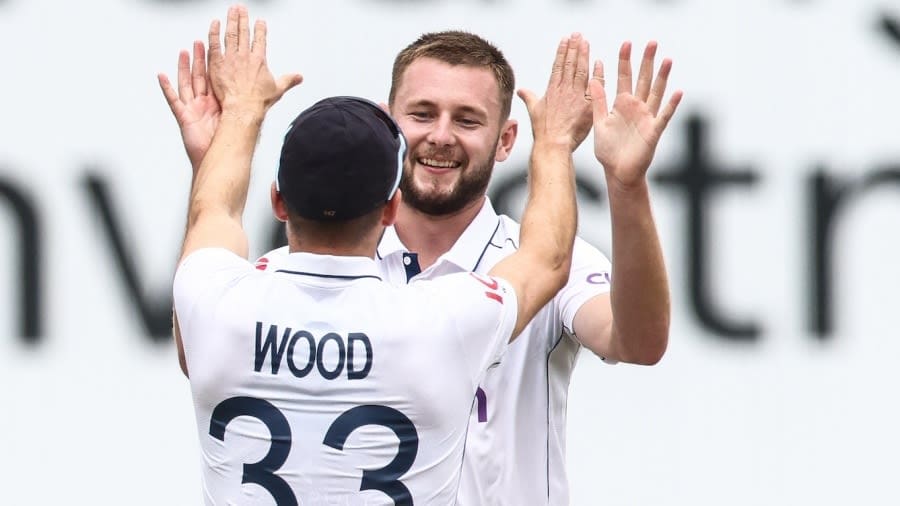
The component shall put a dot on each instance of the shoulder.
(503, 242)
(207, 274)
(263, 262)
(586, 256)
(506, 241)
(201, 281)
(508, 228)
(209, 261)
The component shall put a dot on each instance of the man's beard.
(471, 185)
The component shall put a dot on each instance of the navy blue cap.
(341, 159)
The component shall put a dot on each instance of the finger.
(645, 75)
(231, 30)
(214, 42)
(259, 37)
(288, 81)
(558, 62)
(243, 29)
(198, 69)
(528, 98)
(582, 65)
(598, 93)
(624, 83)
(663, 119)
(568, 74)
(184, 76)
(214, 54)
(659, 86)
(170, 94)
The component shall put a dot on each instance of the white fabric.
(247, 335)
(517, 456)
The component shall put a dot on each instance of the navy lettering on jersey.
(262, 472)
(353, 353)
(310, 353)
(352, 339)
(386, 479)
(271, 345)
(342, 355)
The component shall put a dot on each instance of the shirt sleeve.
(201, 280)
(590, 276)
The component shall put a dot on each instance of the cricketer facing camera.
(451, 95)
(306, 376)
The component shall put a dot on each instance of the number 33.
(262, 473)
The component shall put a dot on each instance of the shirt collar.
(467, 250)
(327, 266)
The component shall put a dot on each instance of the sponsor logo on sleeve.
(490, 283)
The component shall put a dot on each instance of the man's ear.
(507, 138)
(385, 108)
(278, 207)
(389, 214)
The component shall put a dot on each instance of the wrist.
(619, 189)
(548, 145)
(243, 113)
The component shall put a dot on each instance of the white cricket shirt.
(314, 382)
(515, 449)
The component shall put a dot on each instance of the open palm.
(625, 137)
(194, 105)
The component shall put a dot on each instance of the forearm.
(219, 190)
(550, 219)
(640, 294)
(220, 183)
(540, 267)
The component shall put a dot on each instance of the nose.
(441, 133)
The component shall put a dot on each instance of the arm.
(246, 89)
(560, 121)
(197, 112)
(631, 324)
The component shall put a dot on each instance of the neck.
(364, 248)
(432, 236)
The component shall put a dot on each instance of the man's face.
(450, 116)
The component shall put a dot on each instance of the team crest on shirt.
(490, 283)
(262, 264)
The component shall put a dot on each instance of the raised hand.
(240, 75)
(625, 137)
(563, 114)
(194, 105)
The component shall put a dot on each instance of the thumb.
(528, 97)
(288, 81)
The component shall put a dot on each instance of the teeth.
(449, 164)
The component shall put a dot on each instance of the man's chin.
(438, 204)
(436, 196)
(432, 203)
(433, 189)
